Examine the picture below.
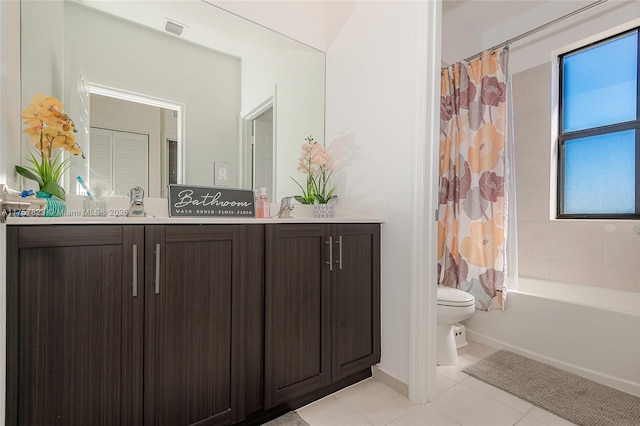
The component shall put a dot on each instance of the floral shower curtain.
(473, 215)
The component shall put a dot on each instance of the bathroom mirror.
(219, 71)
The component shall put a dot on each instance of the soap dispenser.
(263, 209)
(136, 199)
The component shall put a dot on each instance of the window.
(599, 130)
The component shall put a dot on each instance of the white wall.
(315, 23)
(10, 127)
(309, 17)
(294, 77)
(370, 117)
(458, 41)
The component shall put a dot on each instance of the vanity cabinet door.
(355, 298)
(194, 345)
(74, 325)
(297, 311)
(322, 301)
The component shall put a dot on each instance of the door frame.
(247, 151)
(111, 92)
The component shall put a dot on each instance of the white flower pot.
(303, 210)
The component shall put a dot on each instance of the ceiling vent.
(174, 28)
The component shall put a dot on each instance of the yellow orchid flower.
(48, 129)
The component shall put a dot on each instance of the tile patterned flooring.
(462, 400)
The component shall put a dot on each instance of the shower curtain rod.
(540, 28)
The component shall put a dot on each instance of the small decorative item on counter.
(38, 204)
(263, 207)
(316, 164)
(93, 205)
(54, 207)
(323, 211)
(136, 199)
(210, 201)
(49, 129)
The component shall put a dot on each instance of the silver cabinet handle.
(339, 242)
(157, 268)
(134, 284)
(330, 262)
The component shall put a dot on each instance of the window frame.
(563, 137)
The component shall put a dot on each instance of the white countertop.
(157, 209)
(123, 220)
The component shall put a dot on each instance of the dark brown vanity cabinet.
(133, 325)
(203, 300)
(186, 324)
(74, 348)
(322, 306)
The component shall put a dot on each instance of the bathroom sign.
(209, 201)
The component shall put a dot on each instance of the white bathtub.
(589, 331)
(594, 297)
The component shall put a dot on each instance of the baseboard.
(386, 378)
(627, 386)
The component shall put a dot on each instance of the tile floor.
(462, 400)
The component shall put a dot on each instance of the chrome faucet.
(286, 207)
(136, 199)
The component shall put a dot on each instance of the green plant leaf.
(54, 189)
(23, 171)
(330, 194)
(58, 167)
(307, 196)
(300, 199)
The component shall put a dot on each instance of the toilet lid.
(448, 296)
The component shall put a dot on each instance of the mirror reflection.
(129, 141)
(223, 74)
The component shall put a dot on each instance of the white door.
(119, 161)
(263, 152)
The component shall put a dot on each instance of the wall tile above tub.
(577, 272)
(531, 90)
(535, 239)
(621, 246)
(621, 278)
(532, 149)
(579, 241)
(535, 205)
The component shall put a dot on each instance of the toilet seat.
(448, 296)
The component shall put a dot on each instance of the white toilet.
(453, 306)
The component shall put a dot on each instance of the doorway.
(259, 147)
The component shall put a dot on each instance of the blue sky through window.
(599, 130)
(600, 174)
(600, 84)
